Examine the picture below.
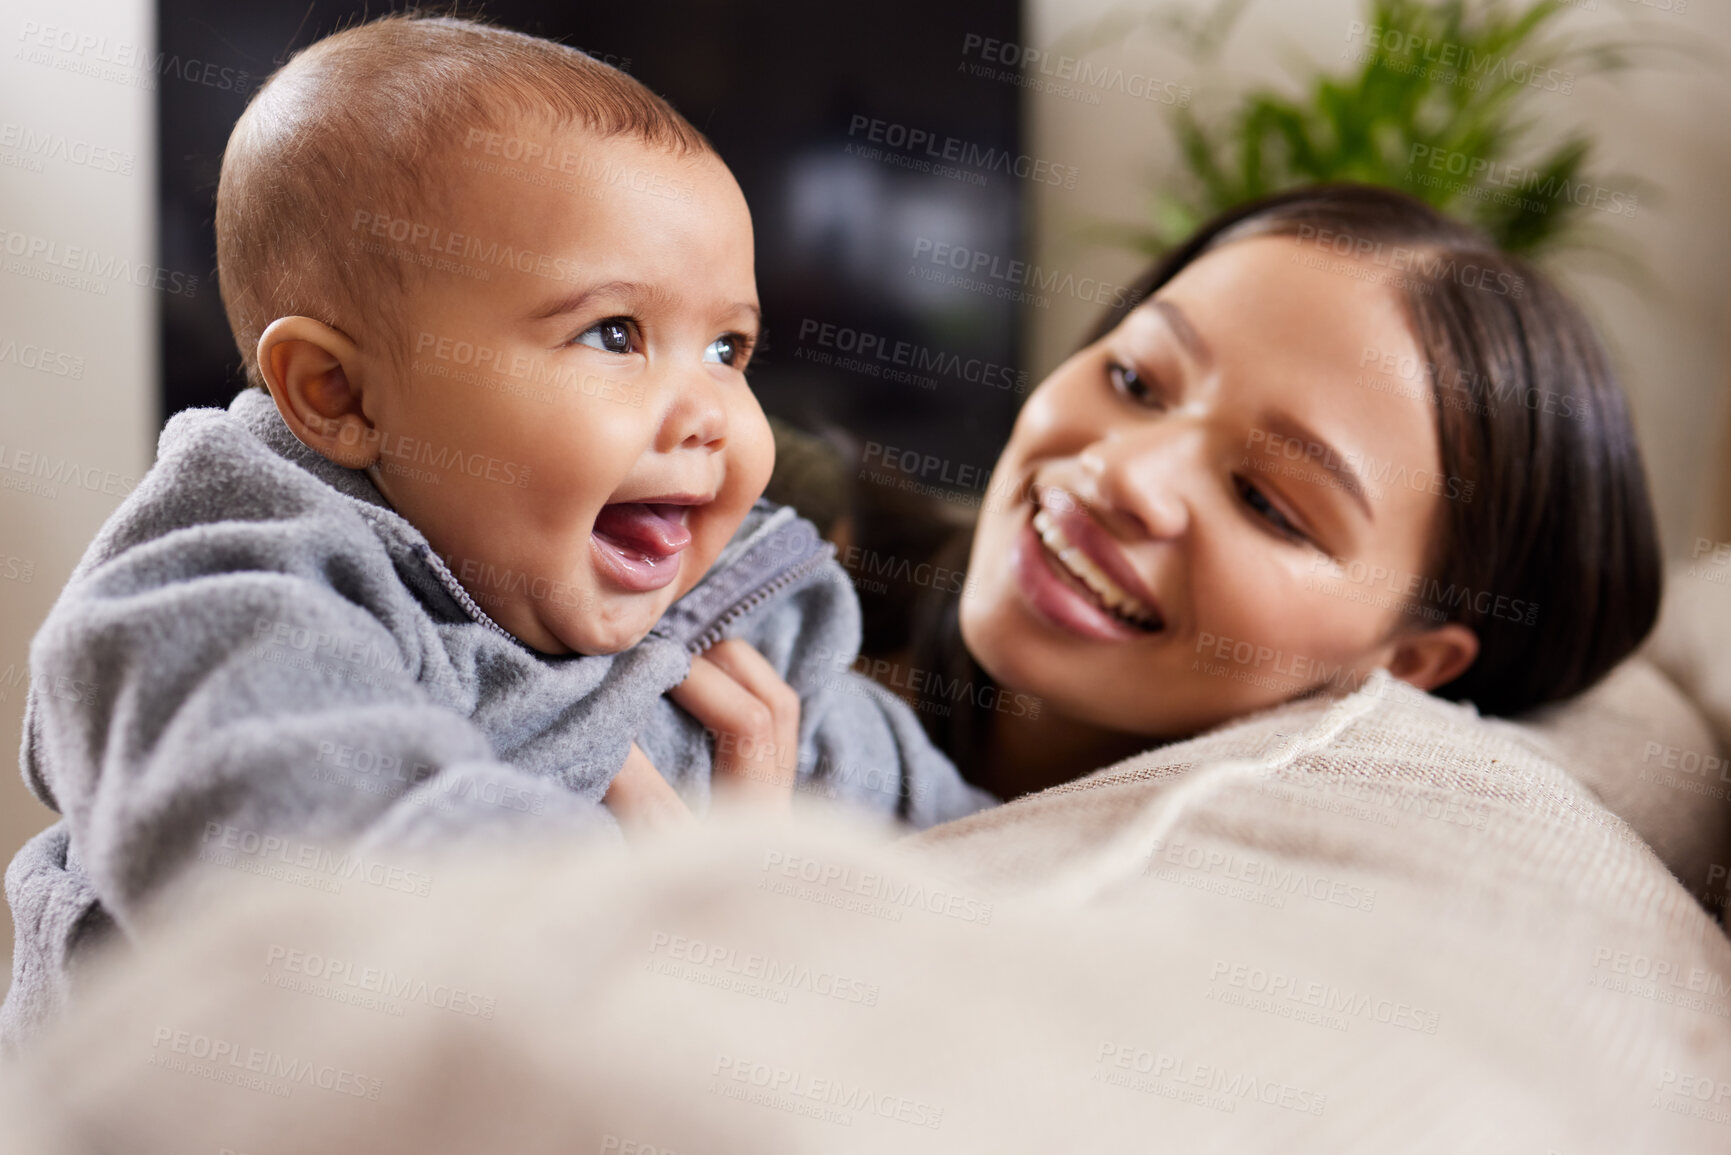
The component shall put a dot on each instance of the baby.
(484, 531)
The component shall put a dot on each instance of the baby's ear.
(309, 368)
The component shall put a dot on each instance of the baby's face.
(574, 433)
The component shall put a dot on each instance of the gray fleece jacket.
(258, 657)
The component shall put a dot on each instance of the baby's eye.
(610, 336)
(1131, 383)
(726, 350)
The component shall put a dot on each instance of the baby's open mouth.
(640, 542)
(1093, 581)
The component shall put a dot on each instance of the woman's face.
(1222, 504)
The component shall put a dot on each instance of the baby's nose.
(696, 418)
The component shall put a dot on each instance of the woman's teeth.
(1113, 597)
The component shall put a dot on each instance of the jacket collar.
(773, 549)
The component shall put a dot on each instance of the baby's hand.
(642, 799)
(754, 718)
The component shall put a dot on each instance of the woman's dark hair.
(1551, 557)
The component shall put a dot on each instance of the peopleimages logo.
(1414, 592)
(1068, 76)
(1408, 52)
(47, 474)
(1220, 1088)
(347, 975)
(1375, 474)
(41, 359)
(766, 969)
(1347, 1002)
(464, 247)
(1402, 374)
(1014, 277)
(1543, 185)
(38, 145)
(967, 154)
(1414, 259)
(798, 1092)
(226, 1061)
(864, 348)
(897, 894)
(97, 269)
(96, 56)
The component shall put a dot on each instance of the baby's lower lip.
(640, 544)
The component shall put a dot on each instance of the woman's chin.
(1078, 690)
(1063, 687)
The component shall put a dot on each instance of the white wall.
(66, 121)
(1670, 127)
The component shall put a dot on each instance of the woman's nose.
(1146, 479)
(696, 417)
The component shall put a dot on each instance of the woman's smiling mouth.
(1113, 598)
(1064, 579)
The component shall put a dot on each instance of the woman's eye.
(1265, 509)
(1131, 383)
(610, 336)
(724, 350)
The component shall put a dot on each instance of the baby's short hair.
(354, 123)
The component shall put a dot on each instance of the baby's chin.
(590, 641)
(620, 627)
(623, 618)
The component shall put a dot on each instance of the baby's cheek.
(713, 529)
(750, 443)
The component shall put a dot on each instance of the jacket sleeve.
(229, 694)
(862, 744)
(859, 743)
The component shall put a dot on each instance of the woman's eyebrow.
(1184, 331)
(1284, 424)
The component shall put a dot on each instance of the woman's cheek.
(1050, 409)
(1260, 599)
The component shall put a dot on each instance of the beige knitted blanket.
(1377, 924)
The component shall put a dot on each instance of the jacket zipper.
(762, 594)
(709, 637)
(463, 598)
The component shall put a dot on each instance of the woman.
(1334, 431)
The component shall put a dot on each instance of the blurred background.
(1085, 134)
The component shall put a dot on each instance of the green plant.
(1437, 101)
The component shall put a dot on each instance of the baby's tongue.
(653, 529)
